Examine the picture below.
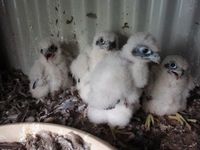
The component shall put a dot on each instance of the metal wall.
(175, 24)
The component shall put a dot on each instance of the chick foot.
(149, 121)
(178, 117)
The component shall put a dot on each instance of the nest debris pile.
(66, 108)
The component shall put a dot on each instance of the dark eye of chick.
(101, 40)
(173, 65)
(146, 51)
(41, 51)
(53, 48)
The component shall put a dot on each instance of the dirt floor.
(17, 105)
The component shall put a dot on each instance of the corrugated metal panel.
(175, 23)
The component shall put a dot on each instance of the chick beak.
(178, 73)
(155, 57)
(47, 53)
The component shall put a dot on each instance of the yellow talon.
(192, 120)
(182, 120)
(112, 129)
(149, 121)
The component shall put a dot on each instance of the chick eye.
(173, 65)
(53, 48)
(145, 51)
(101, 40)
(41, 51)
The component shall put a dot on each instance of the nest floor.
(17, 105)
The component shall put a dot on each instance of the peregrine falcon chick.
(49, 73)
(170, 89)
(104, 43)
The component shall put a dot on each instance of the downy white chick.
(170, 89)
(49, 73)
(103, 43)
(116, 82)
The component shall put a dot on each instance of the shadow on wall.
(4, 63)
(122, 39)
(70, 49)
